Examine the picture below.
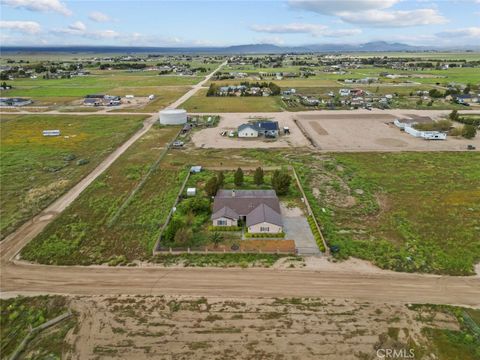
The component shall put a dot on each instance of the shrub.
(211, 187)
(224, 228)
(281, 181)
(238, 177)
(469, 131)
(265, 235)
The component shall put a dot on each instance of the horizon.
(203, 24)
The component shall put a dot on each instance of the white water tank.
(173, 116)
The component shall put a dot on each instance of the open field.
(96, 228)
(402, 211)
(143, 327)
(37, 169)
(215, 104)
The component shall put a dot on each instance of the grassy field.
(35, 169)
(19, 315)
(423, 216)
(64, 91)
(201, 103)
(93, 230)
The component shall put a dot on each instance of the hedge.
(316, 234)
(265, 235)
(224, 228)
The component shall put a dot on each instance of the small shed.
(195, 169)
(191, 191)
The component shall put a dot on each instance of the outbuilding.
(247, 130)
(173, 117)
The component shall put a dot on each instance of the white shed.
(247, 130)
(191, 191)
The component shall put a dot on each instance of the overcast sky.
(218, 23)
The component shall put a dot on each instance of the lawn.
(35, 170)
(406, 212)
(96, 229)
(216, 104)
(19, 315)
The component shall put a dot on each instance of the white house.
(247, 130)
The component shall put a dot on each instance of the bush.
(316, 234)
(224, 228)
(82, 162)
(264, 235)
(469, 131)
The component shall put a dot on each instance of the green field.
(423, 216)
(93, 230)
(18, 315)
(35, 169)
(216, 104)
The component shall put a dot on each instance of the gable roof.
(225, 212)
(268, 125)
(247, 126)
(243, 202)
(263, 213)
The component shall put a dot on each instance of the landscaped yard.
(101, 225)
(36, 169)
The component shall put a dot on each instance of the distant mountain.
(380, 46)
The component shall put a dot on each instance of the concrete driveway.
(296, 227)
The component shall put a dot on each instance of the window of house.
(221, 222)
(264, 229)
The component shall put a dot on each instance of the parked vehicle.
(177, 144)
(471, 147)
(231, 133)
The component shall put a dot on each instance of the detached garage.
(247, 130)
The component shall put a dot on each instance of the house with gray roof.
(259, 209)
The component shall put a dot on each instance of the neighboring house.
(15, 102)
(268, 128)
(247, 130)
(259, 209)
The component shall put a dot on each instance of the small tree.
(258, 176)
(220, 179)
(238, 177)
(211, 186)
(453, 115)
(281, 181)
(469, 131)
(216, 238)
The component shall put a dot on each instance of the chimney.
(233, 193)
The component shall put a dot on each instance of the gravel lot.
(355, 130)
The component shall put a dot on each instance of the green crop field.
(93, 230)
(216, 104)
(405, 212)
(35, 169)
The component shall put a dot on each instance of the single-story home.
(259, 209)
(247, 130)
(268, 128)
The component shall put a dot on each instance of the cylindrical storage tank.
(173, 116)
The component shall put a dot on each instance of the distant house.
(92, 102)
(268, 128)
(259, 209)
(247, 130)
(15, 101)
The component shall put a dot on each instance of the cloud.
(401, 18)
(97, 16)
(372, 13)
(302, 28)
(77, 26)
(39, 5)
(333, 7)
(25, 27)
(470, 32)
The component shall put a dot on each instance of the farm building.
(407, 126)
(247, 130)
(15, 101)
(268, 128)
(173, 116)
(259, 209)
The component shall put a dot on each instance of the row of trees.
(280, 181)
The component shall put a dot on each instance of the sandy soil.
(146, 327)
(357, 130)
(211, 138)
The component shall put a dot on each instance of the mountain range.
(376, 46)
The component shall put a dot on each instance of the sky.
(231, 22)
